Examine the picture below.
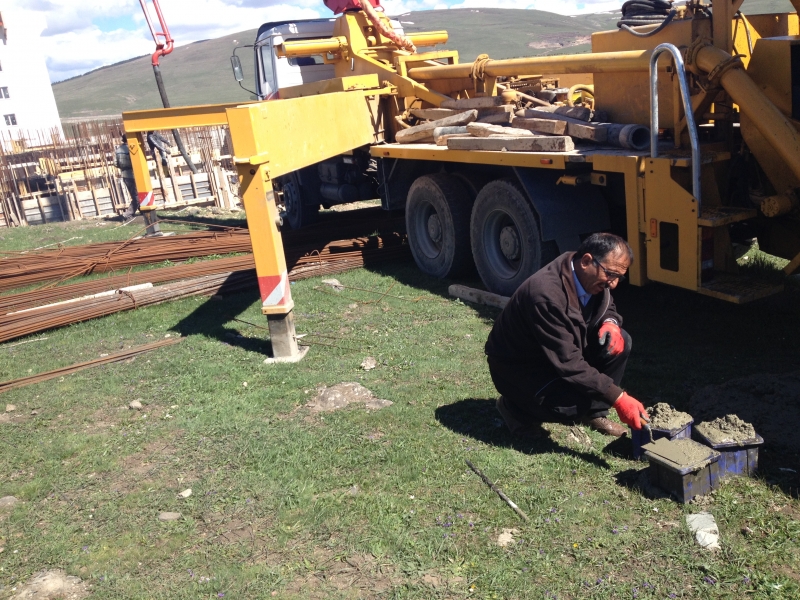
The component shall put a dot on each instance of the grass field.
(200, 73)
(291, 504)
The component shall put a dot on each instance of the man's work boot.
(605, 426)
(514, 424)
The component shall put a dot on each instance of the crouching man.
(557, 352)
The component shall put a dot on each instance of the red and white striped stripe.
(274, 289)
(146, 200)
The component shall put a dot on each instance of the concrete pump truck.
(677, 131)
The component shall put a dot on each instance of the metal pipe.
(428, 38)
(779, 132)
(175, 133)
(691, 127)
(632, 136)
(335, 45)
(600, 62)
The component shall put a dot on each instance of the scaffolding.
(47, 178)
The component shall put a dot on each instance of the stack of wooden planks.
(491, 123)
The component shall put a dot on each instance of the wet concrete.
(727, 429)
(663, 416)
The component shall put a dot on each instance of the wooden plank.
(497, 118)
(486, 129)
(469, 294)
(433, 114)
(41, 209)
(442, 131)
(424, 132)
(596, 132)
(442, 140)
(468, 103)
(513, 144)
(546, 126)
(194, 184)
(573, 112)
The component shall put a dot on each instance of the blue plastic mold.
(737, 459)
(685, 482)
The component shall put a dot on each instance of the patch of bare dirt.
(770, 402)
(228, 530)
(360, 575)
(52, 585)
(339, 396)
(158, 463)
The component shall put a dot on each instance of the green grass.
(356, 504)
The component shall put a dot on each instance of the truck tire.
(506, 244)
(297, 211)
(437, 222)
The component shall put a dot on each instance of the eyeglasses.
(610, 275)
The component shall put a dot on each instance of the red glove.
(630, 411)
(611, 338)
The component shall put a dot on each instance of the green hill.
(200, 73)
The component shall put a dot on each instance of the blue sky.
(80, 35)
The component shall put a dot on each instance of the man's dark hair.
(600, 245)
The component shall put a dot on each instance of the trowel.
(646, 426)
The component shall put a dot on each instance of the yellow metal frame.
(269, 139)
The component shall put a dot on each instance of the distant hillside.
(200, 73)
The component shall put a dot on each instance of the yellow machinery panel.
(671, 232)
(626, 96)
(292, 134)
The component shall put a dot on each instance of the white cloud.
(73, 43)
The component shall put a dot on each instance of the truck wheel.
(506, 244)
(297, 212)
(437, 222)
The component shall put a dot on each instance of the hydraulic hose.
(175, 133)
(646, 12)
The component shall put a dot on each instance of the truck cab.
(338, 180)
(273, 72)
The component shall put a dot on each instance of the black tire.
(506, 244)
(437, 221)
(297, 212)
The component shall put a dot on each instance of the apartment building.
(27, 106)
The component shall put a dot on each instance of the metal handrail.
(687, 108)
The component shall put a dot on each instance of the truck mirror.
(236, 64)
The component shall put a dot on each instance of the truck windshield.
(306, 61)
(268, 85)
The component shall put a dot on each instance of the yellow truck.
(691, 138)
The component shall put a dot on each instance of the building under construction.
(46, 178)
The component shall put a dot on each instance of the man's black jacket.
(543, 330)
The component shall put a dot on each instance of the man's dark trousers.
(556, 401)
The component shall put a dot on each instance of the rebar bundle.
(231, 275)
(19, 269)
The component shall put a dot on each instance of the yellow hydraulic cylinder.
(770, 122)
(310, 47)
(336, 45)
(428, 38)
(601, 62)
